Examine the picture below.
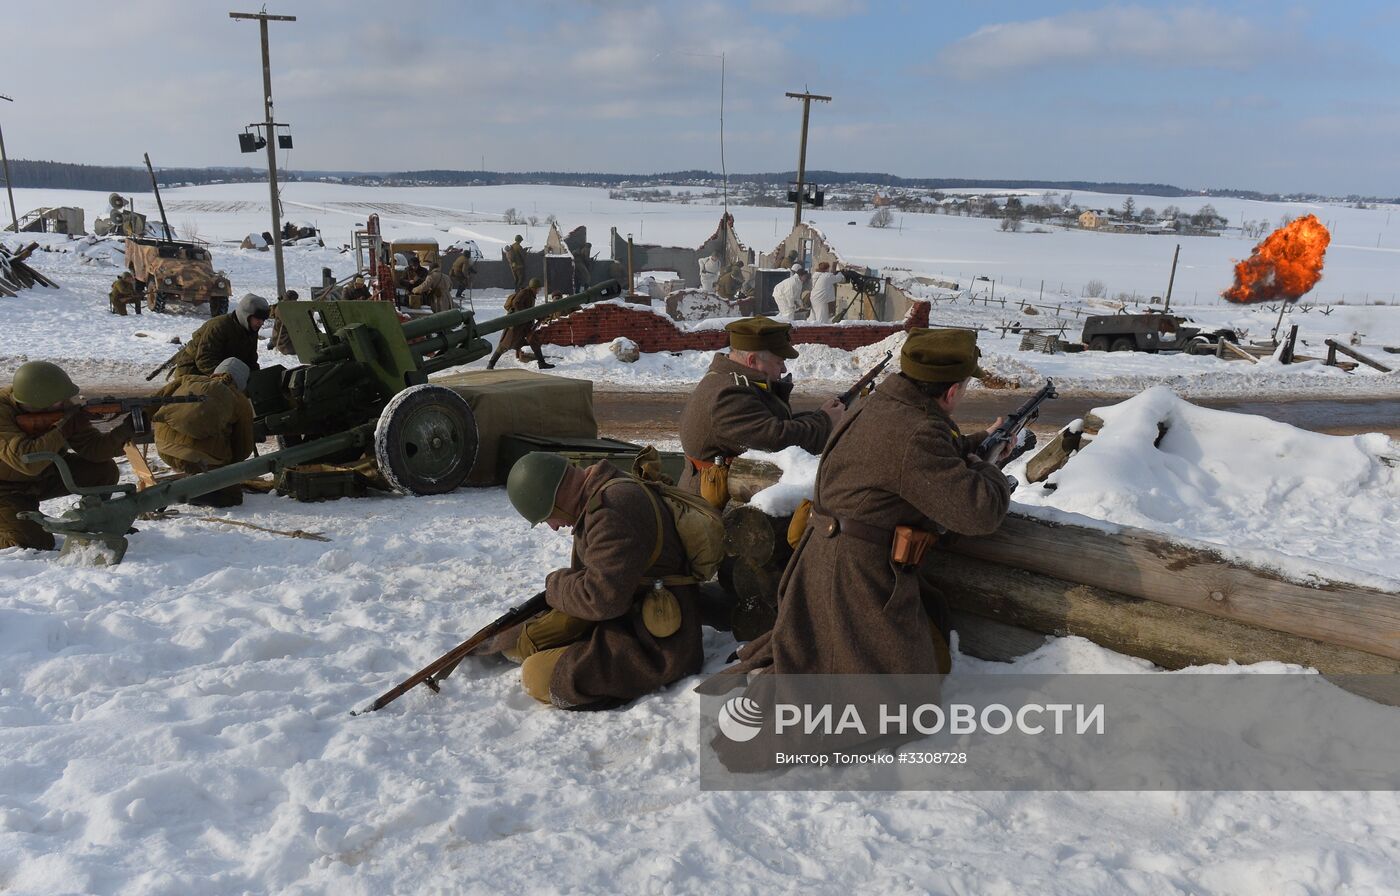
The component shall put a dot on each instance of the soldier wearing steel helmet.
(520, 335)
(515, 257)
(622, 619)
(41, 386)
(232, 335)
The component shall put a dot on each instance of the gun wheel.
(426, 441)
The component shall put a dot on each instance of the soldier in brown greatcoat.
(622, 619)
(462, 272)
(518, 336)
(232, 335)
(742, 402)
(213, 433)
(434, 288)
(515, 257)
(847, 604)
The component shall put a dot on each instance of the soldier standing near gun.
(518, 336)
(232, 335)
(515, 257)
(462, 271)
(621, 620)
(38, 388)
(743, 402)
(896, 472)
(434, 288)
(213, 433)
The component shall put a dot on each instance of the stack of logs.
(15, 274)
(1136, 592)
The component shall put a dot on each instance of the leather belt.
(831, 526)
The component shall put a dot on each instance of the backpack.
(700, 528)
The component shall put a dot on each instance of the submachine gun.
(1013, 430)
(362, 387)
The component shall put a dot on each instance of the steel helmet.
(39, 384)
(534, 483)
(535, 283)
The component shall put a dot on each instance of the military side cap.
(940, 356)
(757, 334)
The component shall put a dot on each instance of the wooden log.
(1092, 424)
(1171, 637)
(755, 591)
(1334, 346)
(749, 477)
(1149, 566)
(755, 536)
(1054, 455)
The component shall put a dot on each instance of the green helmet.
(519, 238)
(535, 283)
(38, 384)
(534, 483)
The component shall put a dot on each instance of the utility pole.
(9, 188)
(806, 99)
(270, 133)
(1172, 279)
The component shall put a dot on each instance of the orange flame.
(1285, 266)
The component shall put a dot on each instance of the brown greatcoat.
(619, 660)
(843, 608)
(735, 408)
(23, 486)
(217, 339)
(462, 271)
(435, 289)
(213, 433)
(518, 336)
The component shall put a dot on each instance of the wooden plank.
(142, 470)
(1230, 348)
(1334, 345)
(1144, 565)
(1053, 456)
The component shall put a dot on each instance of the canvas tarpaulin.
(508, 402)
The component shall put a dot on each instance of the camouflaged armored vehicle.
(177, 271)
(1152, 332)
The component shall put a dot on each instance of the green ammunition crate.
(318, 482)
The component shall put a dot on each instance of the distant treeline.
(111, 178)
(69, 176)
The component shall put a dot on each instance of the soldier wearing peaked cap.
(743, 402)
(895, 473)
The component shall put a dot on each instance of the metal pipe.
(9, 184)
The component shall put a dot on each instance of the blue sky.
(1247, 95)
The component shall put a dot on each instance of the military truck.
(1151, 332)
(177, 271)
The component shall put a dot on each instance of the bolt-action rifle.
(434, 673)
(855, 391)
(36, 423)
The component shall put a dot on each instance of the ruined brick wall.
(602, 323)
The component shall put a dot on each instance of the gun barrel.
(605, 290)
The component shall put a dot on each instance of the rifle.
(36, 423)
(438, 670)
(164, 367)
(1013, 430)
(854, 392)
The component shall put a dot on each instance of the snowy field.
(179, 723)
(72, 326)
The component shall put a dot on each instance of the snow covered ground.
(71, 325)
(179, 723)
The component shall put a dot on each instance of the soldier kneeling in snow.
(622, 619)
(213, 433)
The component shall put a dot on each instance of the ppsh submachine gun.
(361, 388)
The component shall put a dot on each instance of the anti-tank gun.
(362, 387)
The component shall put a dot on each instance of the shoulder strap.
(655, 506)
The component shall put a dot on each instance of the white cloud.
(1191, 37)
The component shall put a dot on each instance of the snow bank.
(795, 486)
(1266, 492)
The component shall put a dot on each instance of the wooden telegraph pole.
(270, 133)
(806, 99)
(1172, 279)
(5, 161)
